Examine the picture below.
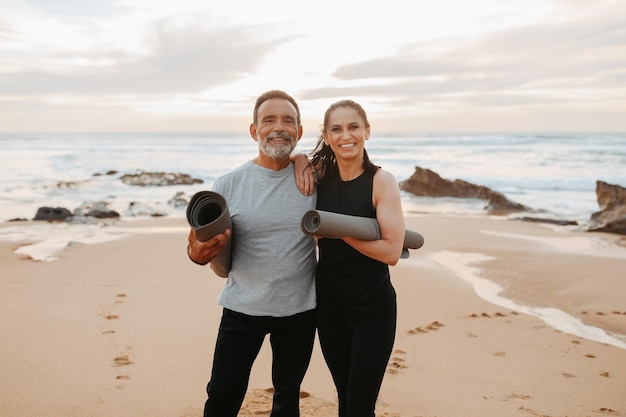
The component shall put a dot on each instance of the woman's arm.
(386, 199)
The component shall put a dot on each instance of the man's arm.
(306, 176)
(201, 253)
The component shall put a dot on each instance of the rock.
(180, 200)
(81, 220)
(559, 222)
(97, 209)
(159, 179)
(612, 215)
(52, 213)
(70, 185)
(427, 183)
(109, 172)
(136, 209)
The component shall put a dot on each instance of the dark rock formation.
(427, 183)
(137, 209)
(109, 172)
(69, 184)
(559, 222)
(159, 179)
(82, 220)
(97, 209)
(612, 215)
(180, 200)
(52, 214)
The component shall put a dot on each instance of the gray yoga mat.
(334, 225)
(207, 214)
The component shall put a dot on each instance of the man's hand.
(202, 252)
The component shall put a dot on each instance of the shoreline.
(489, 271)
(524, 264)
(126, 327)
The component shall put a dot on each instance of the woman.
(356, 302)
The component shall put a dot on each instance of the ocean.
(553, 173)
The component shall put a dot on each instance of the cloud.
(179, 60)
(532, 63)
(191, 59)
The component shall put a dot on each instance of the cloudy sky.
(415, 65)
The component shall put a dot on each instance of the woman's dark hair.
(323, 158)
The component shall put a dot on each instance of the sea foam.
(466, 267)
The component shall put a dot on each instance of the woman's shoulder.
(383, 176)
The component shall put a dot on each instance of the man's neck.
(271, 163)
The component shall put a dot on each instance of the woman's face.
(346, 133)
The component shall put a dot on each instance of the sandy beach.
(126, 328)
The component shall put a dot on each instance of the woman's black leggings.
(357, 357)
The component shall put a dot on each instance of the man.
(270, 288)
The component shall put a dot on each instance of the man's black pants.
(239, 341)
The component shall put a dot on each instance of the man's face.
(277, 129)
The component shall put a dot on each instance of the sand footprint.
(496, 314)
(519, 396)
(258, 402)
(107, 314)
(396, 362)
(602, 313)
(531, 411)
(607, 411)
(120, 361)
(123, 359)
(435, 325)
(416, 330)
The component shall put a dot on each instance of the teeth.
(347, 145)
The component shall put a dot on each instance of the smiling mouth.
(347, 145)
(278, 136)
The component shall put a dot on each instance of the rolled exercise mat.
(207, 214)
(334, 225)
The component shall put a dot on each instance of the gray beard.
(280, 150)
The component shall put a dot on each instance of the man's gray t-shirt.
(273, 261)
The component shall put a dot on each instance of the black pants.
(357, 355)
(239, 341)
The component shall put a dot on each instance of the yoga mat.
(207, 214)
(334, 225)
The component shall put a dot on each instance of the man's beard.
(277, 149)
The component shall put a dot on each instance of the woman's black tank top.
(346, 280)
